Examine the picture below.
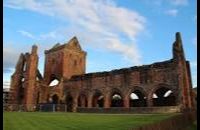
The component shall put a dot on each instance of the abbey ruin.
(77, 89)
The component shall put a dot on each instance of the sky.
(114, 33)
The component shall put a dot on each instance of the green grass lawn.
(193, 126)
(76, 121)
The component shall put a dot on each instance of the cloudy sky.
(115, 33)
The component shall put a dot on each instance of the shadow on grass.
(193, 126)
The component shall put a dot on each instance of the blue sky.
(115, 33)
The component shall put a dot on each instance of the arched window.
(168, 93)
(82, 100)
(98, 99)
(24, 66)
(164, 97)
(55, 99)
(54, 82)
(22, 80)
(137, 99)
(116, 99)
(155, 96)
(133, 96)
(69, 102)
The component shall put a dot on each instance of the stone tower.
(64, 61)
(23, 81)
(30, 77)
(184, 75)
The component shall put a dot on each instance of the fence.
(38, 107)
(64, 108)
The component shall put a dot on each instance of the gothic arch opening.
(164, 97)
(21, 94)
(69, 103)
(137, 99)
(116, 99)
(55, 99)
(82, 100)
(24, 66)
(23, 79)
(98, 99)
(54, 81)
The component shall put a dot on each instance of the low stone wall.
(38, 107)
(179, 122)
(169, 109)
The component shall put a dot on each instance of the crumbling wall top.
(71, 44)
(156, 65)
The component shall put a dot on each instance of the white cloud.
(52, 35)
(195, 18)
(128, 51)
(94, 20)
(6, 84)
(27, 34)
(9, 58)
(195, 41)
(11, 54)
(194, 77)
(44, 36)
(172, 12)
(193, 64)
(33, 5)
(179, 2)
(170, 2)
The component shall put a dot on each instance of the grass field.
(76, 121)
(193, 126)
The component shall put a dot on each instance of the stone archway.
(138, 98)
(54, 81)
(164, 96)
(98, 99)
(82, 100)
(69, 102)
(55, 99)
(116, 98)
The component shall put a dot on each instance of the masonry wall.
(64, 61)
(146, 79)
(76, 89)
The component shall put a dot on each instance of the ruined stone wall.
(76, 89)
(23, 81)
(173, 75)
(31, 74)
(146, 79)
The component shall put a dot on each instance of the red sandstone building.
(77, 89)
